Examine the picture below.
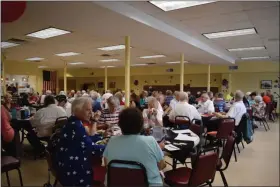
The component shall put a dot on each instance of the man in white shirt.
(237, 110)
(42, 99)
(205, 106)
(183, 108)
(62, 101)
(174, 101)
(45, 118)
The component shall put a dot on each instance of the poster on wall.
(266, 84)
(112, 85)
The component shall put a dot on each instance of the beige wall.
(246, 78)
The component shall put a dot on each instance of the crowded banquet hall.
(140, 93)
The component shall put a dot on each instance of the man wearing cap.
(62, 101)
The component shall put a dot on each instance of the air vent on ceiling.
(273, 40)
(151, 63)
(105, 55)
(16, 40)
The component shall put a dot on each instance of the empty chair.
(118, 175)
(203, 172)
(226, 156)
(9, 163)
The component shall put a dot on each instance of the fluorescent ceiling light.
(112, 48)
(109, 60)
(42, 66)
(256, 57)
(35, 59)
(223, 34)
(76, 63)
(8, 44)
(67, 54)
(176, 62)
(107, 66)
(247, 49)
(48, 33)
(139, 64)
(173, 5)
(154, 56)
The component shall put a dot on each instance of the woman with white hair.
(96, 102)
(258, 107)
(152, 115)
(74, 148)
(110, 116)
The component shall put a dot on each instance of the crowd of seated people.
(88, 111)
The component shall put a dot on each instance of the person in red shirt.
(266, 98)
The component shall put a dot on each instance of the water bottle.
(14, 113)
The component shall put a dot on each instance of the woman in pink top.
(7, 132)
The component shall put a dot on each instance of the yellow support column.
(3, 74)
(127, 70)
(182, 68)
(229, 83)
(65, 77)
(208, 79)
(57, 83)
(106, 79)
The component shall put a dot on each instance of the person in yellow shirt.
(229, 97)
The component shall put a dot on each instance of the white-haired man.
(183, 108)
(205, 106)
(42, 99)
(174, 101)
(237, 110)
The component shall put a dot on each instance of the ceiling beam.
(144, 18)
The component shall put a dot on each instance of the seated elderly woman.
(152, 116)
(258, 107)
(219, 103)
(134, 147)
(110, 116)
(74, 147)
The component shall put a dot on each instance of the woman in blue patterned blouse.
(76, 145)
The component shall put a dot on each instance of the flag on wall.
(49, 80)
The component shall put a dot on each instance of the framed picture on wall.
(100, 85)
(266, 84)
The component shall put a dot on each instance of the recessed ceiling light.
(8, 44)
(67, 54)
(247, 49)
(42, 67)
(109, 60)
(76, 63)
(139, 64)
(176, 62)
(48, 33)
(112, 48)
(255, 57)
(35, 59)
(107, 66)
(153, 56)
(223, 34)
(173, 5)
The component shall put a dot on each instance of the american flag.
(49, 80)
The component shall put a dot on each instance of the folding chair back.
(225, 128)
(204, 169)
(59, 123)
(118, 174)
(182, 122)
(227, 151)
